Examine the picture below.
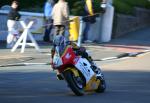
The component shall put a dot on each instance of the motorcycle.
(80, 75)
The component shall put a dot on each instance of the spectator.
(103, 5)
(13, 17)
(60, 15)
(48, 20)
(88, 19)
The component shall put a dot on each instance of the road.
(128, 80)
(38, 84)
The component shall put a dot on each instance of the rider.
(61, 41)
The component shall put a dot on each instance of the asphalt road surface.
(38, 84)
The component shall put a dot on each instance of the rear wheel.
(102, 85)
(75, 82)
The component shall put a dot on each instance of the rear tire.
(76, 86)
(102, 85)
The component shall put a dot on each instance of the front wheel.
(74, 82)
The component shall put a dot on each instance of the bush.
(121, 7)
(127, 6)
(138, 3)
(77, 8)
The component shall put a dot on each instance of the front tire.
(74, 82)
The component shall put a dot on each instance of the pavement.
(134, 64)
(132, 44)
(31, 56)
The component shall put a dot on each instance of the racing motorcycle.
(80, 74)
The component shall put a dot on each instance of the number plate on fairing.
(84, 66)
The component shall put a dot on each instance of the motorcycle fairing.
(85, 68)
(68, 55)
(92, 84)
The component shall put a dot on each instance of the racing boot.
(59, 76)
